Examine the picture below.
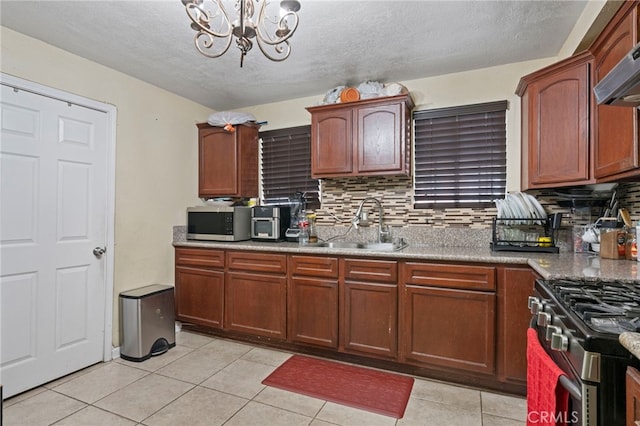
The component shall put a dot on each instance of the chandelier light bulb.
(290, 5)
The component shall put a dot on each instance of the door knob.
(99, 251)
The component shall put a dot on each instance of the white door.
(53, 209)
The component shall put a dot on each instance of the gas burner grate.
(607, 306)
(612, 324)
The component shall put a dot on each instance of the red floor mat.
(364, 388)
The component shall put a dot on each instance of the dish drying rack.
(525, 234)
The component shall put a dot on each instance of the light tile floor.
(209, 381)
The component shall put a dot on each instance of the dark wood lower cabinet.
(256, 304)
(369, 321)
(515, 285)
(199, 295)
(200, 298)
(463, 322)
(313, 311)
(256, 293)
(312, 300)
(449, 328)
(448, 316)
(633, 397)
(369, 310)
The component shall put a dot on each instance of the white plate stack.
(522, 208)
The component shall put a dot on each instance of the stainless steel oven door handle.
(573, 389)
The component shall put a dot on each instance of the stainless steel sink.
(339, 244)
(362, 246)
(385, 246)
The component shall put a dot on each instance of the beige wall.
(582, 27)
(156, 154)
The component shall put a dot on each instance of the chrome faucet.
(383, 232)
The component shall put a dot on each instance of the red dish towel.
(547, 399)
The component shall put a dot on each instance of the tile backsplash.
(340, 199)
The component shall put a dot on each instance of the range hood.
(622, 85)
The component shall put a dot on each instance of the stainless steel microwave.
(219, 223)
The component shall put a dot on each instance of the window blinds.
(286, 165)
(460, 155)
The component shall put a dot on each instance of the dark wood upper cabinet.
(556, 130)
(567, 138)
(365, 138)
(380, 138)
(616, 135)
(331, 142)
(227, 161)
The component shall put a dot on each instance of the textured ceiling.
(337, 42)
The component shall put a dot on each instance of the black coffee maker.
(298, 205)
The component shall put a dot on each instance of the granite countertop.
(631, 341)
(548, 265)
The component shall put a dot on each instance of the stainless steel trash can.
(147, 322)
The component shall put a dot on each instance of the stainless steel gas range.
(578, 323)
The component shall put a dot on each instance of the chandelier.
(215, 30)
